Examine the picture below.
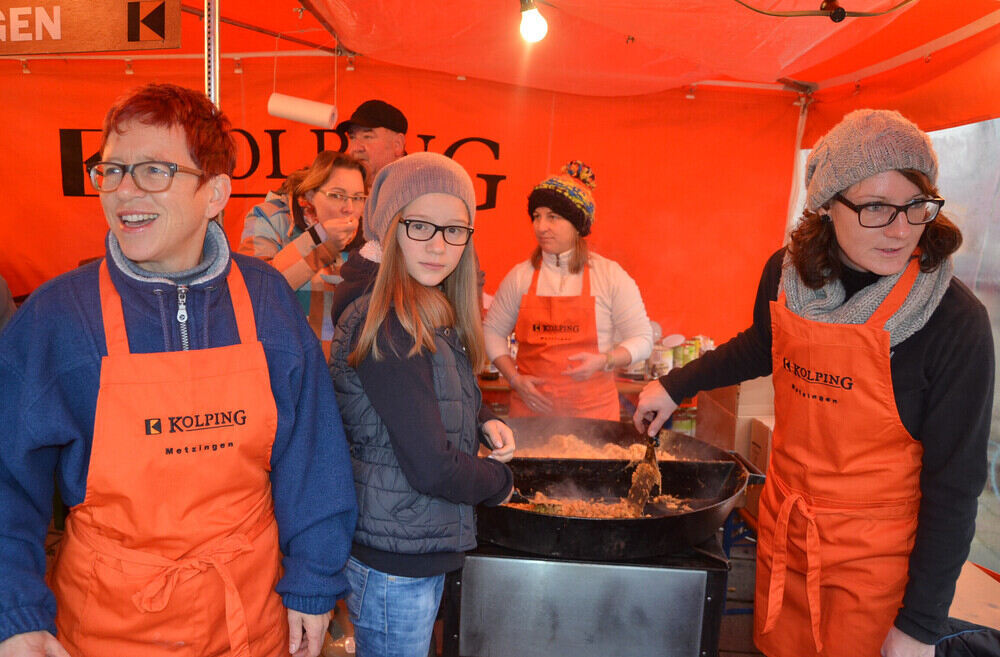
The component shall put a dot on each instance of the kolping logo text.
(197, 422)
(822, 378)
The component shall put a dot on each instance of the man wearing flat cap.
(377, 134)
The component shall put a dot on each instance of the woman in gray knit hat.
(403, 362)
(883, 377)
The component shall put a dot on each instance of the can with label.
(661, 361)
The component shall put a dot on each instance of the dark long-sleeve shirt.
(942, 377)
(401, 391)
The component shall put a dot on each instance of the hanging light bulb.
(533, 25)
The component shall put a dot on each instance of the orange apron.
(838, 513)
(174, 550)
(549, 330)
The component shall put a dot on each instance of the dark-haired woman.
(883, 377)
(577, 315)
(305, 230)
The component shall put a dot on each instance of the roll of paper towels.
(302, 110)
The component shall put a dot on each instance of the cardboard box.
(977, 597)
(761, 430)
(724, 415)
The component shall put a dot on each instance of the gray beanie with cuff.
(400, 182)
(866, 142)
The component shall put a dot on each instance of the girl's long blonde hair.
(422, 309)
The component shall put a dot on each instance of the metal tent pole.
(211, 21)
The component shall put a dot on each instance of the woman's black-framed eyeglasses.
(423, 231)
(879, 215)
(151, 176)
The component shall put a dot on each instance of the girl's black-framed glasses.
(423, 231)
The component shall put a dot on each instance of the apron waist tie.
(155, 595)
(779, 556)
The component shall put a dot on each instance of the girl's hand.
(586, 365)
(527, 388)
(900, 644)
(501, 438)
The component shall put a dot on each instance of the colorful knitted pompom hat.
(569, 195)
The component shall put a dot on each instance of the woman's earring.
(825, 218)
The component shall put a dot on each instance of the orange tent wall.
(691, 193)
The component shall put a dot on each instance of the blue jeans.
(393, 616)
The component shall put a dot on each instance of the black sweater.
(942, 377)
(401, 390)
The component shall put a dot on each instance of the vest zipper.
(182, 316)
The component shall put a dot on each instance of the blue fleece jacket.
(50, 366)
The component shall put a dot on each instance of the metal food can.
(661, 361)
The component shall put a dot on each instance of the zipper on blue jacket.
(182, 316)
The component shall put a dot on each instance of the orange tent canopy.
(691, 134)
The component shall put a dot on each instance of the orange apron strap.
(585, 292)
(241, 305)
(115, 336)
(897, 295)
(533, 287)
(779, 557)
(813, 572)
(776, 585)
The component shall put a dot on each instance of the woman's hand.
(305, 633)
(586, 365)
(340, 231)
(501, 438)
(654, 405)
(900, 644)
(33, 644)
(526, 387)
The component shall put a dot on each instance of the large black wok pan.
(709, 479)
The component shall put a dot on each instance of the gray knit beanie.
(865, 143)
(402, 181)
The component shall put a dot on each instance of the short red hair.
(207, 129)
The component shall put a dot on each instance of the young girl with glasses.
(404, 360)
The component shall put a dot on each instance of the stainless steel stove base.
(536, 607)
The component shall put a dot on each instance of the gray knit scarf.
(827, 303)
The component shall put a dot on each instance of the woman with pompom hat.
(577, 315)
